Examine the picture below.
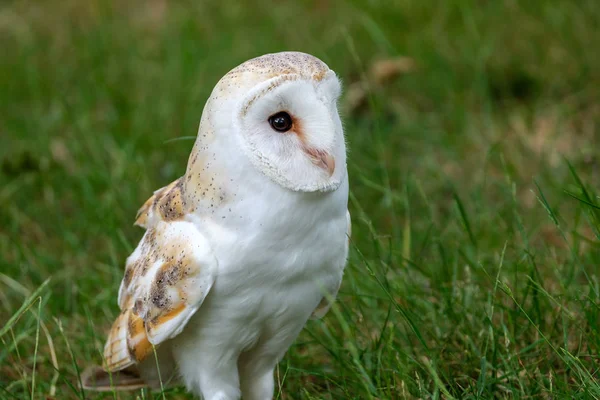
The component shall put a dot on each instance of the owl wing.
(166, 280)
(166, 204)
(326, 301)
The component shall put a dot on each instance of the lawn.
(474, 166)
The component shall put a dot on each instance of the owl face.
(285, 119)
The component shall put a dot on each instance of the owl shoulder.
(166, 204)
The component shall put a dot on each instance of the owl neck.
(216, 166)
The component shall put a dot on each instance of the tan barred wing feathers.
(166, 279)
(166, 204)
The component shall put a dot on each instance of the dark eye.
(281, 122)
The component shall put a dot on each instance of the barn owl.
(246, 246)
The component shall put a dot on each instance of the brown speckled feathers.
(166, 203)
(166, 278)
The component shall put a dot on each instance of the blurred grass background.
(473, 131)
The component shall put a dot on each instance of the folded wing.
(166, 280)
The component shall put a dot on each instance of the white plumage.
(247, 245)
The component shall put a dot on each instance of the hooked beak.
(322, 159)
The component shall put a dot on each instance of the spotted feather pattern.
(166, 204)
(166, 279)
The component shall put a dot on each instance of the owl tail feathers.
(96, 379)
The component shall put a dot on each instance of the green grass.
(474, 268)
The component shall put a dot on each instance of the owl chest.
(278, 261)
(272, 278)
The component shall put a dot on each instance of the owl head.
(280, 111)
